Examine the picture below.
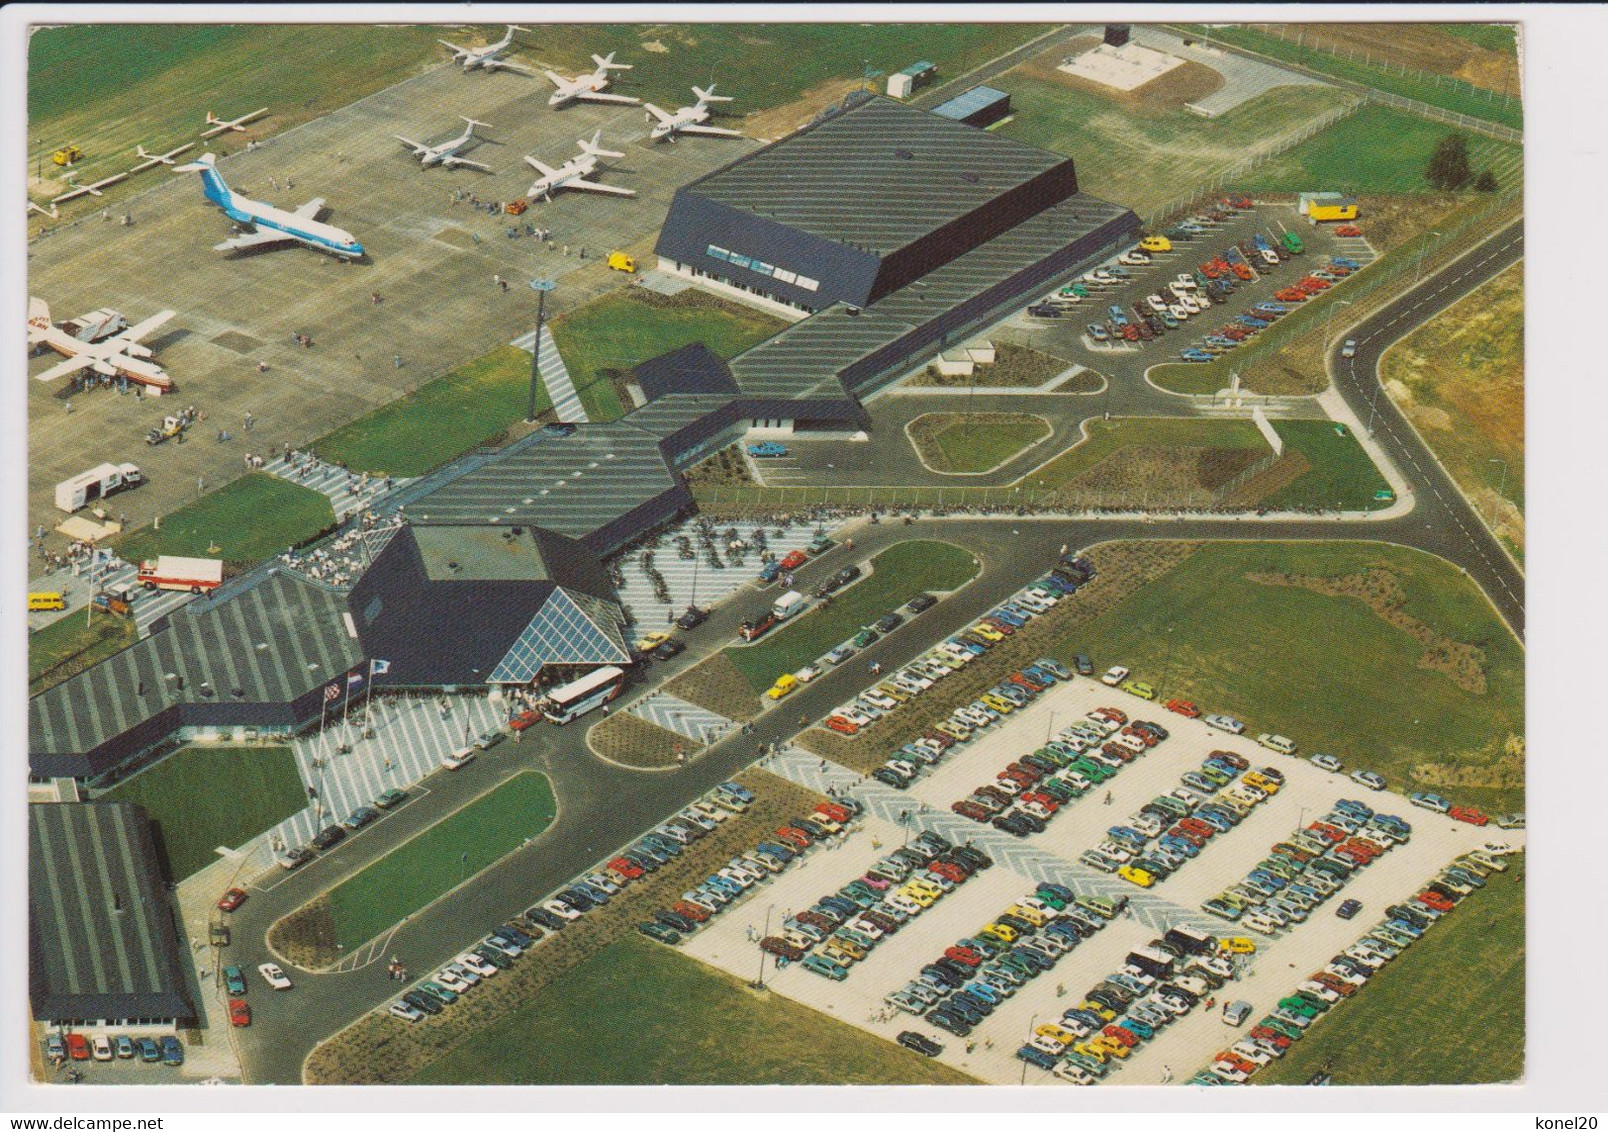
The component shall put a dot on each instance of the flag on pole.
(379, 667)
(331, 692)
(354, 679)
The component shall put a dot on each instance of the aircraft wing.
(454, 162)
(416, 147)
(257, 239)
(662, 115)
(454, 46)
(601, 96)
(310, 210)
(714, 131)
(141, 329)
(138, 367)
(71, 365)
(558, 80)
(598, 187)
(544, 170)
(509, 66)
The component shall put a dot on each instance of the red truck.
(193, 574)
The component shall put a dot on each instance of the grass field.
(1375, 150)
(1108, 437)
(1492, 37)
(1145, 157)
(1460, 380)
(1458, 97)
(1013, 366)
(974, 442)
(67, 646)
(612, 334)
(1329, 671)
(1342, 477)
(201, 798)
(637, 1013)
(164, 79)
(249, 519)
(442, 857)
(441, 420)
(897, 575)
(1465, 978)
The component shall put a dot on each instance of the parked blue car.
(768, 449)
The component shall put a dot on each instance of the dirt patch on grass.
(1504, 771)
(974, 442)
(633, 741)
(1123, 568)
(716, 685)
(1379, 590)
(307, 937)
(1172, 91)
(1084, 381)
(1285, 470)
(1160, 477)
(1424, 46)
(781, 120)
(380, 1050)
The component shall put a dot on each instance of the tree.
(1449, 169)
(1486, 182)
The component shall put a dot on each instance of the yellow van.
(1155, 244)
(784, 685)
(46, 603)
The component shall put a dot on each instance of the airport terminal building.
(900, 231)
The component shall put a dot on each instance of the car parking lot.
(1093, 315)
(1020, 864)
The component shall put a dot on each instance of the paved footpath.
(555, 375)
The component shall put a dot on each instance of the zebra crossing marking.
(686, 719)
(555, 376)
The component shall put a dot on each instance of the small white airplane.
(573, 173)
(589, 88)
(445, 154)
(689, 119)
(119, 355)
(152, 159)
(51, 212)
(270, 225)
(485, 58)
(93, 190)
(236, 124)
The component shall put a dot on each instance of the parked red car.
(1195, 825)
(1238, 762)
(948, 870)
(834, 811)
(625, 868)
(964, 955)
(78, 1047)
(1044, 800)
(794, 560)
(694, 913)
(1437, 901)
(1268, 1034)
(944, 741)
(1469, 814)
(1122, 1034)
(1143, 734)
(1330, 833)
(838, 723)
(523, 720)
(1026, 681)
(1118, 751)
(970, 810)
(1348, 230)
(232, 899)
(239, 1012)
(1115, 715)
(780, 947)
(1184, 708)
(795, 836)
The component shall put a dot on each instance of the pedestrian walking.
(398, 361)
(496, 280)
(504, 286)
(250, 420)
(1166, 1074)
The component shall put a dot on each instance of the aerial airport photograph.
(948, 551)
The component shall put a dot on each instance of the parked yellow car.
(1237, 945)
(987, 632)
(1031, 915)
(652, 641)
(999, 703)
(1090, 1050)
(1105, 1012)
(1144, 878)
(1139, 688)
(1155, 244)
(1261, 782)
(784, 685)
(1005, 932)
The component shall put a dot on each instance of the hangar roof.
(101, 937)
(911, 172)
(270, 643)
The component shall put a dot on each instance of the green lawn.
(897, 574)
(442, 857)
(623, 329)
(441, 420)
(1328, 671)
(1492, 37)
(637, 1013)
(1448, 94)
(249, 519)
(163, 79)
(1147, 156)
(201, 798)
(1374, 150)
(974, 442)
(1464, 978)
(1342, 477)
(1107, 437)
(67, 646)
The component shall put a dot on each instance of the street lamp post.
(759, 984)
(1419, 270)
(541, 287)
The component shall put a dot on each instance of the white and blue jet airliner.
(270, 225)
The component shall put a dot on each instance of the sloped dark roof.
(691, 369)
(101, 940)
(878, 177)
(271, 643)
